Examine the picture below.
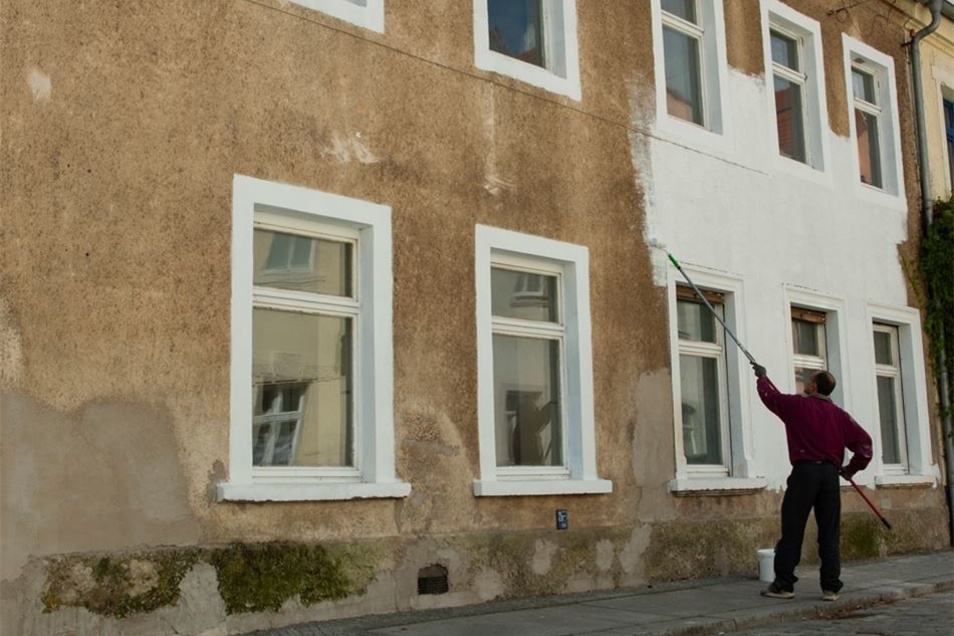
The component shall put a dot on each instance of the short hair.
(824, 382)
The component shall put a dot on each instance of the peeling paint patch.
(347, 148)
(495, 185)
(40, 85)
(543, 557)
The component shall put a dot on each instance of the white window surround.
(836, 342)
(914, 389)
(714, 80)
(580, 476)
(741, 476)
(562, 76)
(943, 76)
(368, 14)
(782, 18)
(881, 66)
(375, 476)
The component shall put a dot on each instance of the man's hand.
(759, 370)
(845, 473)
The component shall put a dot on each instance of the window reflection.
(516, 29)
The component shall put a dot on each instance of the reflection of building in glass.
(301, 359)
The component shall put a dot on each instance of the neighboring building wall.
(140, 146)
(937, 70)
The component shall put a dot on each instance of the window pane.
(528, 424)
(701, 425)
(302, 263)
(516, 294)
(683, 78)
(884, 352)
(685, 9)
(695, 321)
(789, 118)
(802, 376)
(888, 409)
(785, 51)
(301, 369)
(869, 147)
(863, 86)
(805, 338)
(516, 29)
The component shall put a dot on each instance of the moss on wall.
(260, 578)
(251, 577)
(117, 585)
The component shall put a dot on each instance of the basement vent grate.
(432, 580)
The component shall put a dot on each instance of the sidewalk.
(693, 608)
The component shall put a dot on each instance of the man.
(818, 432)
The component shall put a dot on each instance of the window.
(898, 398)
(789, 82)
(535, 382)
(873, 118)
(702, 379)
(533, 41)
(949, 137)
(867, 126)
(364, 13)
(690, 33)
(711, 439)
(809, 347)
(890, 398)
(311, 409)
(792, 56)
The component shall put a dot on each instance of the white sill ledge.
(902, 481)
(716, 486)
(311, 492)
(525, 487)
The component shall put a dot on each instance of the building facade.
(319, 308)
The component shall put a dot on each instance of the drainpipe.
(927, 206)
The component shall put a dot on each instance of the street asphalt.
(690, 608)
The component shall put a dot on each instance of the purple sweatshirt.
(817, 429)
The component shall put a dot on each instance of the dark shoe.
(828, 595)
(774, 591)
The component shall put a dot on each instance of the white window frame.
(893, 371)
(713, 65)
(917, 435)
(777, 16)
(738, 473)
(561, 45)
(834, 309)
(368, 14)
(370, 223)
(579, 476)
(881, 67)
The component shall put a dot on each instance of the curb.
(827, 611)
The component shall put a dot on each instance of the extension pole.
(874, 508)
(715, 314)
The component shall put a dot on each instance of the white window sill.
(716, 485)
(516, 488)
(311, 492)
(900, 481)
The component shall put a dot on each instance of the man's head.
(821, 382)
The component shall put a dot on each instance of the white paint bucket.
(767, 565)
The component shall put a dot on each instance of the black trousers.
(811, 486)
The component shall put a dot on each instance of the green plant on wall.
(256, 578)
(937, 269)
